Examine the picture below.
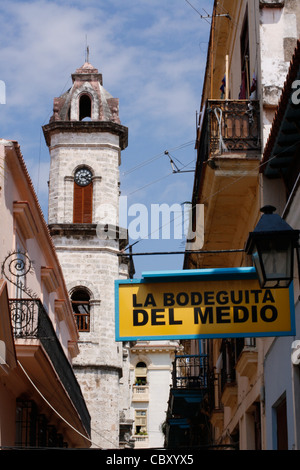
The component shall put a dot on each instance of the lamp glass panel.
(273, 260)
(277, 263)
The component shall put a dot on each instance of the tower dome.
(88, 104)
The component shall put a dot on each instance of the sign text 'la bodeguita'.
(208, 307)
(182, 310)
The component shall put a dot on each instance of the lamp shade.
(272, 245)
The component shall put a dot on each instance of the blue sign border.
(198, 275)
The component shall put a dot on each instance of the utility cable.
(159, 179)
(79, 395)
(201, 16)
(216, 193)
(49, 404)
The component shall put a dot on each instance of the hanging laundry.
(253, 87)
(222, 88)
(254, 84)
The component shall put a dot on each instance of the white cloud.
(147, 50)
(132, 45)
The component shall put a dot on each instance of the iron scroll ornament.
(15, 268)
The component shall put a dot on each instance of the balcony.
(140, 393)
(141, 442)
(188, 391)
(32, 329)
(247, 362)
(229, 128)
(227, 169)
(189, 372)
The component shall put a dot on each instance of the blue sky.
(152, 54)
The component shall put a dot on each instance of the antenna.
(208, 17)
(175, 168)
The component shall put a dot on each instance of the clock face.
(83, 177)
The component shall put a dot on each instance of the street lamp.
(272, 245)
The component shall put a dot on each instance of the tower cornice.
(87, 127)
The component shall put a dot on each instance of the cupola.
(86, 104)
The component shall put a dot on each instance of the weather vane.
(87, 50)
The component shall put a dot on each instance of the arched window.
(83, 196)
(85, 107)
(81, 309)
(141, 374)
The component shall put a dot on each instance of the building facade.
(150, 378)
(280, 173)
(85, 140)
(41, 403)
(251, 47)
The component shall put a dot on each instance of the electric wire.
(41, 394)
(51, 406)
(197, 11)
(214, 194)
(157, 180)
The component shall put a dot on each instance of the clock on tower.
(83, 176)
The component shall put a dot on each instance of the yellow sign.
(205, 309)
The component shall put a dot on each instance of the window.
(81, 309)
(33, 429)
(140, 421)
(83, 196)
(85, 108)
(26, 426)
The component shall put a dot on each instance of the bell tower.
(85, 140)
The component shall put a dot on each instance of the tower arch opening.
(85, 108)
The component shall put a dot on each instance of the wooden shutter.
(141, 418)
(83, 204)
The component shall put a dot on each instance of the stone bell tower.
(85, 140)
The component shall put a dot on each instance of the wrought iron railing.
(190, 371)
(234, 126)
(25, 315)
(229, 126)
(30, 320)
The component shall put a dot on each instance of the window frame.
(83, 320)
